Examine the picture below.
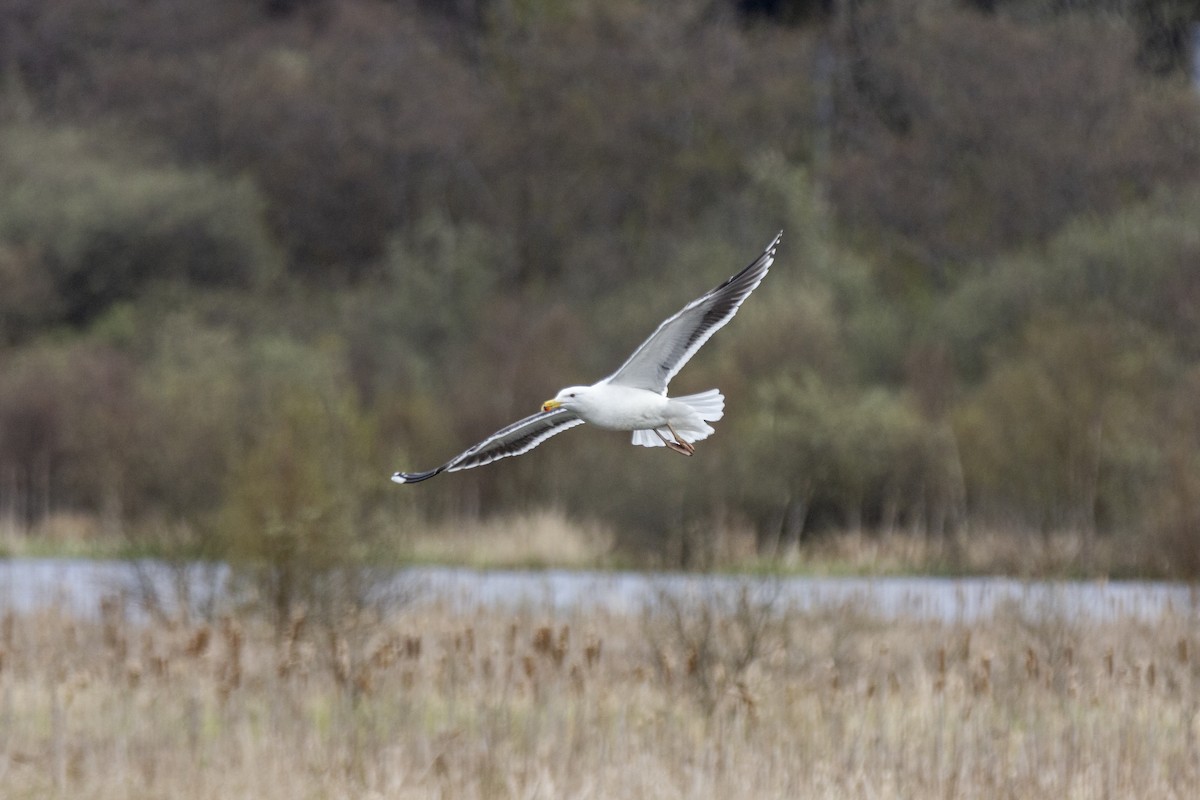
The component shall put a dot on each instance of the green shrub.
(299, 500)
(100, 226)
(1139, 263)
(1061, 435)
(842, 457)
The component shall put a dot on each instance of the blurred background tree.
(256, 256)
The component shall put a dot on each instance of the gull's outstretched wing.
(518, 438)
(676, 340)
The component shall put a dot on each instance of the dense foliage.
(254, 257)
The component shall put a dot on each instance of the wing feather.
(678, 338)
(513, 440)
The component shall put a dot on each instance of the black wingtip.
(414, 477)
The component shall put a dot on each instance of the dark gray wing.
(676, 340)
(518, 438)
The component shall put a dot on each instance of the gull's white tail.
(709, 406)
(704, 407)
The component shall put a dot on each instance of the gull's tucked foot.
(682, 448)
(679, 445)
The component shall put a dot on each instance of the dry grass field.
(714, 699)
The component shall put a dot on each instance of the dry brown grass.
(549, 538)
(435, 703)
(1011, 552)
(537, 538)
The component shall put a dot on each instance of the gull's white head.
(570, 398)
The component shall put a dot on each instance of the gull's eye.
(572, 394)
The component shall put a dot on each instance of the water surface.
(79, 587)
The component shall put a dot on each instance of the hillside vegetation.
(256, 256)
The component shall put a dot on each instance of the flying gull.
(634, 398)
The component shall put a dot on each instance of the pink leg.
(682, 448)
(678, 445)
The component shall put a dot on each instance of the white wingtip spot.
(399, 478)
